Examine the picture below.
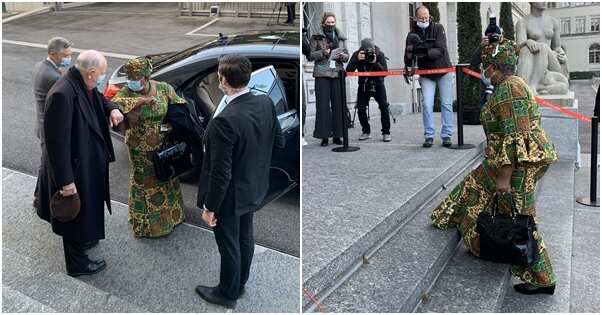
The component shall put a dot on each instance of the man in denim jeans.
(427, 45)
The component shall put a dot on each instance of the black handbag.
(171, 161)
(507, 238)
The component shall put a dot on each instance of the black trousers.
(236, 244)
(380, 96)
(290, 12)
(75, 255)
(329, 106)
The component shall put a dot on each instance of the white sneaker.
(364, 136)
(303, 141)
(387, 138)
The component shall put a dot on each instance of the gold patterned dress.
(155, 207)
(512, 123)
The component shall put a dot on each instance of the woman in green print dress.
(155, 207)
(518, 153)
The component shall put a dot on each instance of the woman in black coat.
(77, 156)
(329, 53)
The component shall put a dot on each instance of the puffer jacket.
(321, 65)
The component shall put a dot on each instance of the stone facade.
(578, 36)
(388, 24)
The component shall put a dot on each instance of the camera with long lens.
(370, 54)
(493, 32)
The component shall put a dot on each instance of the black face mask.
(329, 28)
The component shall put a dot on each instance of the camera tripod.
(279, 6)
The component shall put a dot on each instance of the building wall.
(23, 6)
(577, 44)
(388, 24)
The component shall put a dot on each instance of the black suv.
(275, 58)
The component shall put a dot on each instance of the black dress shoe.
(428, 142)
(214, 296)
(337, 141)
(529, 289)
(324, 142)
(89, 245)
(91, 268)
(447, 142)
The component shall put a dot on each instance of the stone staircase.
(142, 275)
(422, 269)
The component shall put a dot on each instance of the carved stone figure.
(542, 61)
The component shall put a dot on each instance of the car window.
(265, 81)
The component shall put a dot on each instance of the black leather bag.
(171, 161)
(507, 238)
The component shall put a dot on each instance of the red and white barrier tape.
(314, 300)
(472, 73)
(541, 101)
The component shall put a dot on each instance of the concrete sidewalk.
(142, 275)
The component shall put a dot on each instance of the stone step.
(585, 266)
(32, 287)
(468, 284)
(403, 268)
(348, 255)
(555, 211)
(353, 202)
(158, 274)
(331, 275)
(16, 302)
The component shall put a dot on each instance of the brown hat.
(64, 209)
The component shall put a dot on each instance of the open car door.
(285, 161)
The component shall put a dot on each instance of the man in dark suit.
(77, 156)
(235, 175)
(46, 73)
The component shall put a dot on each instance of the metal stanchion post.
(461, 145)
(345, 147)
(593, 200)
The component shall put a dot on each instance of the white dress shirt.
(227, 100)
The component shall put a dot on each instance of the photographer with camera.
(493, 36)
(329, 53)
(370, 58)
(426, 48)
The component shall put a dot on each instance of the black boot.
(337, 141)
(324, 142)
(529, 289)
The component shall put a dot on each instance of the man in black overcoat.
(235, 175)
(77, 156)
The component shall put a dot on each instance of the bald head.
(92, 65)
(422, 10)
(90, 59)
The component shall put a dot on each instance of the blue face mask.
(100, 80)
(65, 62)
(135, 86)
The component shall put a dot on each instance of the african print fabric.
(155, 207)
(514, 137)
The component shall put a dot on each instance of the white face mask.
(423, 25)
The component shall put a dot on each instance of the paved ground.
(142, 275)
(121, 28)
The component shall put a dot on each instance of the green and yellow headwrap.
(140, 66)
(502, 53)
